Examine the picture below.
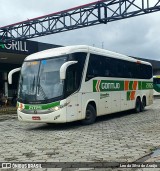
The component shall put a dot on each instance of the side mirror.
(11, 73)
(64, 68)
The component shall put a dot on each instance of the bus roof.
(60, 51)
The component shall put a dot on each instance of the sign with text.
(19, 47)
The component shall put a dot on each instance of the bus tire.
(90, 115)
(143, 104)
(138, 105)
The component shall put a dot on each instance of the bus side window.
(71, 80)
(125, 69)
(112, 65)
(95, 67)
(91, 71)
(107, 67)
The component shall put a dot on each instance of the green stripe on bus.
(131, 85)
(113, 85)
(147, 85)
(156, 87)
(139, 85)
(94, 85)
(128, 95)
(41, 106)
(107, 85)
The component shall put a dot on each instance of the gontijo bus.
(156, 85)
(80, 83)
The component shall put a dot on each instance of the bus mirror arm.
(64, 68)
(11, 73)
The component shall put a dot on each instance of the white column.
(5, 84)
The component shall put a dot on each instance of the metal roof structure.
(99, 12)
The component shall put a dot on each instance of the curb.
(9, 110)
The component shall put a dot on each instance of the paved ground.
(122, 137)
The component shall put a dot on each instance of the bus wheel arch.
(143, 103)
(138, 104)
(90, 113)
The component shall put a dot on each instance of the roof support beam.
(99, 12)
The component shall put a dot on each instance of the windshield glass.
(40, 80)
(156, 80)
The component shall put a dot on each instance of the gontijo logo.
(115, 85)
(16, 46)
(107, 85)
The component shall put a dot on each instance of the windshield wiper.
(40, 89)
(33, 84)
(21, 94)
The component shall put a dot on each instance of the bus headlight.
(56, 108)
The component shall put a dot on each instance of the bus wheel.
(90, 115)
(138, 105)
(143, 104)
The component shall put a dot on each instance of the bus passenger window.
(94, 67)
(71, 80)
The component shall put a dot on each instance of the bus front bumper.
(53, 117)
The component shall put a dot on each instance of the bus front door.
(72, 108)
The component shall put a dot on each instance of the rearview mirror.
(11, 73)
(64, 68)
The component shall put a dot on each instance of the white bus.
(156, 85)
(80, 83)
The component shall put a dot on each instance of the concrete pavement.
(122, 137)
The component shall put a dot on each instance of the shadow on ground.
(77, 124)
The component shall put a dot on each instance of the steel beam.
(95, 13)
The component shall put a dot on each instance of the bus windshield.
(40, 80)
(156, 84)
(156, 81)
